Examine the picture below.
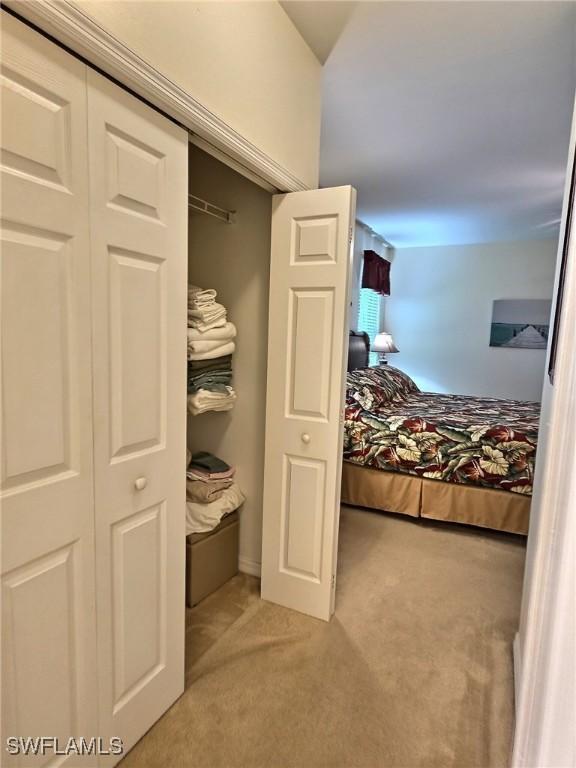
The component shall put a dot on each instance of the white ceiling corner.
(320, 22)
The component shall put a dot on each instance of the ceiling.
(320, 22)
(452, 119)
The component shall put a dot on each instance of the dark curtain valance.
(376, 273)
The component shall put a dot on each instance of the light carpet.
(413, 671)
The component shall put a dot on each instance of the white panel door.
(139, 193)
(46, 493)
(307, 347)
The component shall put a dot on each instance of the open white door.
(307, 346)
(139, 191)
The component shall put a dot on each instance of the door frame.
(541, 670)
(81, 34)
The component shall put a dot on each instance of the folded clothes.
(220, 351)
(211, 377)
(206, 315)
(206, 324)
(206, 312)
(207, 475)
(195, 345)
(196, 410)
(207, 462)
(210, 477)
(222, 376)
(224, 333)
(197, 490)
(205, 397)
(209, 386)
(196, 376)
(216, 364)
(221, 407)
(217, 372)
(207, 468)
(219, 322)
(201, 518)
(199, 296)
(203, 400)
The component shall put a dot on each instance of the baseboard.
(516, 656)
(251, 567)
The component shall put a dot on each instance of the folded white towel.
(205, 346)
(210, 409)
(209, 395)
(224, 333)
(200, 296)
(220, 351)
(201, 518)
(207, 311)
(199, 325)
(204, 400)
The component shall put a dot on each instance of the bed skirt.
(434, 499)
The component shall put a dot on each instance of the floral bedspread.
(484, 441)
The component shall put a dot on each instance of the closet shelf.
(202, 206)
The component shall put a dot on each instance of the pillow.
(395, 379)
(362, 388)
(373, 387)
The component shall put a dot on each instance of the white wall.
(235, 260)
(244, 61)
(440, 310)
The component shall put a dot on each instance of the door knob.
(140, 483)
(305, 437)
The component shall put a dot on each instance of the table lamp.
(383, 343)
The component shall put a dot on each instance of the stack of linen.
(211, 492)
(210, 374)
(204, 312)
(210, 347)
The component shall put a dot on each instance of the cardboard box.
(211, 559)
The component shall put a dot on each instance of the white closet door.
(307, 347)
(46, 494)
(139, 193)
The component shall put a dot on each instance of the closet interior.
(229, 254)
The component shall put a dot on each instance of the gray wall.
(235, 260)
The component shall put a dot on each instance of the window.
(369, 317)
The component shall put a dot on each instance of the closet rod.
(202, 206)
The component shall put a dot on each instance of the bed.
(444, 457)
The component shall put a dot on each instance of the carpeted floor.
(413, 671)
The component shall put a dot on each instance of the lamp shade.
(384, 343)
